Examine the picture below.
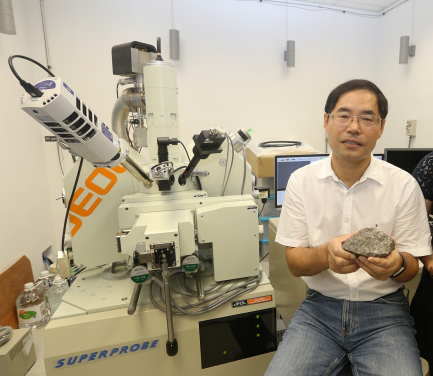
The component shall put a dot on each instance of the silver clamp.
(161, 171)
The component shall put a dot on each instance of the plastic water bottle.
(56, 292)
(32, 307)
(45, 280)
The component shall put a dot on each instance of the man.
(355, 308)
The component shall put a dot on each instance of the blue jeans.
(376, 337)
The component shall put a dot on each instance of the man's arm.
(307, 261)
(383, 268)
(303, 261)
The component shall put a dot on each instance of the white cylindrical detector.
(160, 89)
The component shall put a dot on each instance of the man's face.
(354, 143)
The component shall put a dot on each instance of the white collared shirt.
(318, 207)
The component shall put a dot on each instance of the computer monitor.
(406, 158)
(285, 165)
(379, 156)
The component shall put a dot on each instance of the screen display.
(232, 338)
(285, 165)
(406, 159)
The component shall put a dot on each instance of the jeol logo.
(78, 211)
(104, 354)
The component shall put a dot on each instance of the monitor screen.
(379, 156)
(407, 158)
(284, 166)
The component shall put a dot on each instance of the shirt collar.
(374, 170)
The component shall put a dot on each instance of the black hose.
(279, 144)
(70, 203)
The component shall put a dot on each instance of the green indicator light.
(224, 352)
(258, 334)
(257, 326)
(257, 316)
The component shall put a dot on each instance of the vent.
(78, 103)
(95, 120)
(90, 116)
(70, 118)
(66, 135)
(89, 135)
(77, 124)
(58, 130)
(83, 130)
(52, 124)
(116, 157)
(84, 109)
(72, 141)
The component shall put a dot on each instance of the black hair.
(334, 95)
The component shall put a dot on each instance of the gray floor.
(38, 368)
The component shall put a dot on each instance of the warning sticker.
(262, 299)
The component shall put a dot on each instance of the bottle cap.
(44, 273)
(58, 279)
(29, 286)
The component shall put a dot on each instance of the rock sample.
(370, 242)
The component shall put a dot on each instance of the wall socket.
(411, 128)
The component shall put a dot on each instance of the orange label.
(79, 210)
(262, 299)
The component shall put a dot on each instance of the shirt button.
(346, 220)
(348, 192)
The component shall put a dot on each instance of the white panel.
(233, 230)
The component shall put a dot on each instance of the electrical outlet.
(411, 128)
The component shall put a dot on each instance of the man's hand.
(381, 268)
(339, 260)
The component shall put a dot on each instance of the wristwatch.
(401, 270)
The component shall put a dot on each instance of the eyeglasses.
(343, 118)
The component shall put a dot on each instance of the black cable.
(25, 58)
(264, 257)
(177, 169)
(261, 212)
(70, 203)
(117, 90)
(186, 151)
(279, 144)
(33, 91)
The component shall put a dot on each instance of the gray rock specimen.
(370, 242)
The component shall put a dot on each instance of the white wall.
(231, 74)
(26, 221)
(231, 71)
(408, 87)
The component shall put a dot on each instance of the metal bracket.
(161, 249)
(118, 236)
